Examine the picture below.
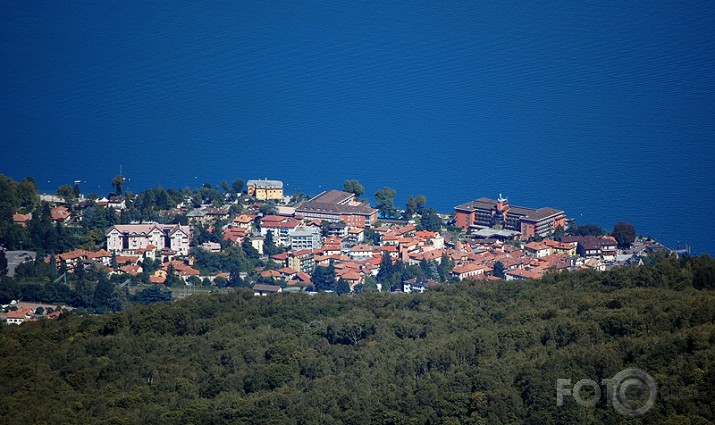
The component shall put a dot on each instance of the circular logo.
(634, 392)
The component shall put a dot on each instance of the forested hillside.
(468, 353)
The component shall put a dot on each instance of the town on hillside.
(255, 236)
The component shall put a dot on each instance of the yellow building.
(265, 189)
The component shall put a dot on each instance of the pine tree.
(498, 270)
(103, 294)
(3, 262)
(269, 245)
(324, 278)
(386, 269)
(343, 287)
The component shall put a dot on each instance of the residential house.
(244, 220)
(332, 245)
(61, 214)
(287, 274)
(300, 279)
(338, 230)
(469, 270)
(123, 237)
(257, 243)
(185, 273)
(72, 258)
(390, 250)
(102, 256)
(389, 239)
(356, 235)
(214, 214)
(418, 285)
(265, 189)
(211, 246)
(21, 219)
(235, 234)
(537, 249)
(405, 231)
(263, 290)
(271, 274)
(116, 202)
(431, 238)
(18, 316)
(561, 247)
(352, 277)
(159, 280)
(197, 216)
(361, 252)
(280, 227)
(303, 237)
(303, 260)
(131, 269)
(591, 246)
(522, 274)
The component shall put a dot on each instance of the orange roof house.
(469, 270)
(268, 274)
(244, 220)
(537, 249)
(131, 269)
(21, 219)
(235, 234)
(523, 274)
(157, 279)
(60, 214)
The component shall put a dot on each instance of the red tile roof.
(361, 248)
(471, 267)
(157, 279)
(287, 270)
(131, 269)
(280, 257)
(536, 246)
(270, 273)
(426, 234)
(527, 274)
(244, 218)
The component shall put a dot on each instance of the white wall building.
(303, 237)
(128, 237)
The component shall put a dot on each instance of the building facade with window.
(485, 212)
(335, 206)
(131, 237)
(265, 190)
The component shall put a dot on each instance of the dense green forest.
(476, 352)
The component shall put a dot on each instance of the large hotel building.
(485, 212)
(336, 205)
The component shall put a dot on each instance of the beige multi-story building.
(265, 190)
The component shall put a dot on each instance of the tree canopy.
(118, 184)
(414, 205)
(586, 230)
(475, 352)
(430, 220)
(353, 186)
(386, 202)
(237, 186)
(625, 234)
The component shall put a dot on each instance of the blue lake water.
(603, 109)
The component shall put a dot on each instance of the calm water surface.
(599, 108)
